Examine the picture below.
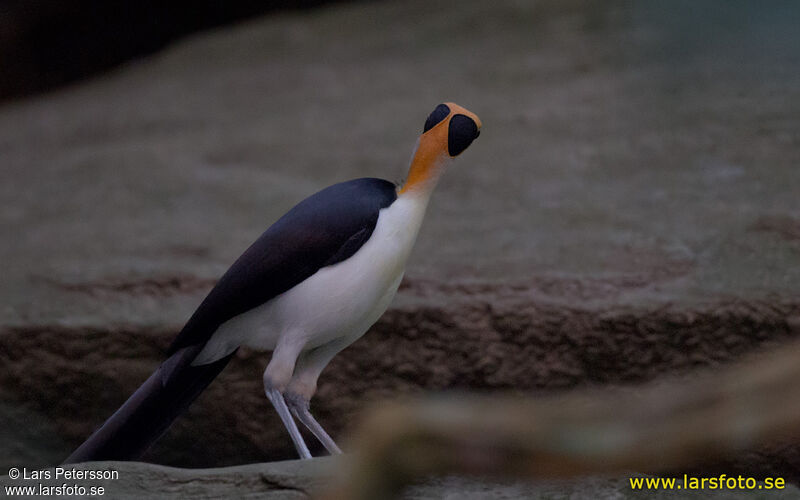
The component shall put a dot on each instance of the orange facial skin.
(433, 151)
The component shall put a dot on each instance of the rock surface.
(629, 211)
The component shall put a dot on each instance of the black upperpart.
(325, 228)
(463, 130)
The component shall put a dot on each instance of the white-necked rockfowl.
(308, 287)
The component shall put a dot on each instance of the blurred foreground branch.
(661, 427)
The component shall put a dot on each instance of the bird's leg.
(304, 384)
(276, 398)
(276, 377)
(299, 406)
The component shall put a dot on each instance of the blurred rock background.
(630, 210)
(46, 43)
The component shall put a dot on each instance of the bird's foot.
(299, 406)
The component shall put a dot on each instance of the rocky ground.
(630, 210)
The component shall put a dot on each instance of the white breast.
(342, 300)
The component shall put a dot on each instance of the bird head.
(451, 125)
(448, 131)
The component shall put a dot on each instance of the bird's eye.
(463, 130)
(438, 114)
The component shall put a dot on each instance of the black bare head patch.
(438, 114)
(463, 130)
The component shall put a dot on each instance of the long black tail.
(149, 412)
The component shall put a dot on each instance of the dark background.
(47, 43)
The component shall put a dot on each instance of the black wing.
(325, 228)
